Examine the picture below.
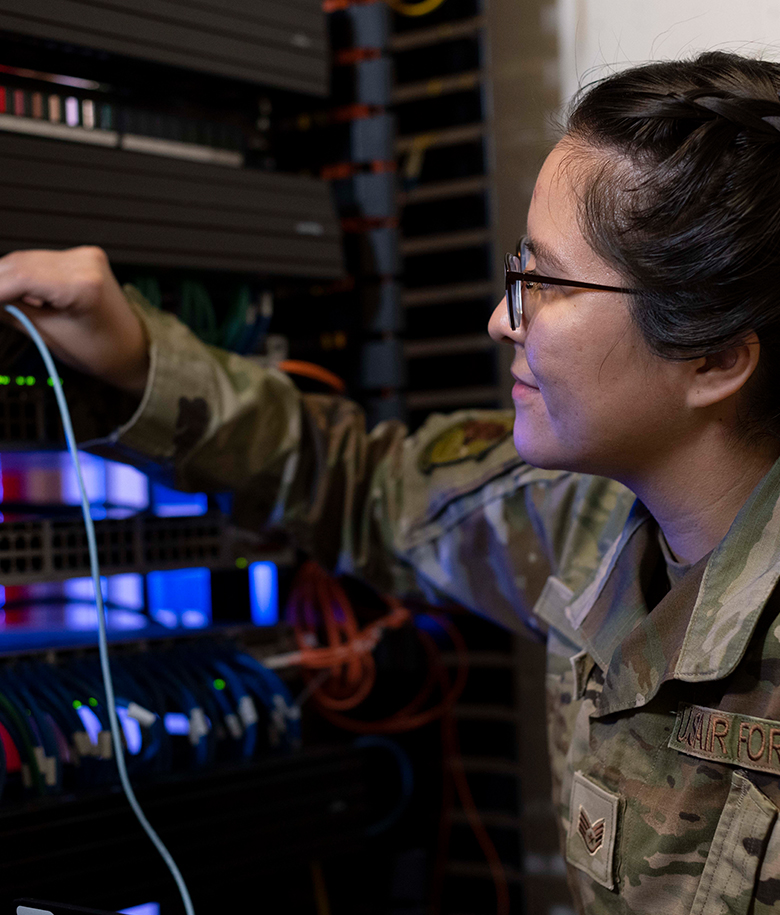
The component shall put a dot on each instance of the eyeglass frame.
(514, 276)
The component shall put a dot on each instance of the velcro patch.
(590, 845)
(726, 737)
(470, 439)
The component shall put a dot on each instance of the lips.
(524, 381)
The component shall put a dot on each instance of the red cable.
(315, 372)
(316, 596)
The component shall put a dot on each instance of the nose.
(499, 327)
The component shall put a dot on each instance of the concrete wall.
(598, 36)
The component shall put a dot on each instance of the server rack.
(178, 186)
(449, 218)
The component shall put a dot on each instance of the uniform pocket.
(590, 844)
(729, 877)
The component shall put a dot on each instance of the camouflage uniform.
(663, 704)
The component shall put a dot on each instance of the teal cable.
(197, 311)
(234, 325)
(102, 636)
(149, 288)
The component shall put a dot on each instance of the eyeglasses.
(522, 286)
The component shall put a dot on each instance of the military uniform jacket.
(663, 704)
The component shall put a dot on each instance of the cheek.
(585, 382)
(560, 361)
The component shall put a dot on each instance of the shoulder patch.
(470, 439)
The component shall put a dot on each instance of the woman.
(644, 314)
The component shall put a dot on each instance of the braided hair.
(684, 201)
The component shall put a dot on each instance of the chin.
(534, 450)
(536, 456)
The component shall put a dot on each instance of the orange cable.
(344, 658)
(315, 372)
(348, 652)
(450, 737)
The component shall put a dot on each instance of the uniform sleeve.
(450, 511)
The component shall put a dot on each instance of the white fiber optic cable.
(101, 613)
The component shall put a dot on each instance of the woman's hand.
(76, 304)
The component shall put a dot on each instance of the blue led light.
(180, 597)
(166, 618)
(176, 723)
(148, 908)
(170, 503)
(264, 593)
(83, 589)
(93, 470)
(127, 590)
(90, 721)
(194, 619)
(126, 486)
(132, 731)
(83, 617)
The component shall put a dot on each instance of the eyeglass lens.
(514, 292)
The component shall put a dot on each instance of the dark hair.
(685, 204)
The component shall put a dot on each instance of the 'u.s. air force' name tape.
(726, 737)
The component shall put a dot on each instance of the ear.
(716, 378)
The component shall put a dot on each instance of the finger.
(7, 318)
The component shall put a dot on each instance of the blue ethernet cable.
(161, 751)
(273, 693)
(102, 634)
(97, 702)
(52, 697)
(407, 779)
(238, 691)
(42, 737)
(93, 769)
(131, 692)
(213, 701)
(24, 738)
(183, 699)
(58, 701)
(48, 742)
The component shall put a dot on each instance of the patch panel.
(57, 549)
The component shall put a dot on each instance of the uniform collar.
(700, 630)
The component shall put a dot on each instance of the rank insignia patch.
(471, 439)
(593, 825)
(592, 833)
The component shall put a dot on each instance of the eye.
(536, 286)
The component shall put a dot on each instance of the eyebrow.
(544, 254)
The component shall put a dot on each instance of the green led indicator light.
(21, 380)
(93, 702)
(50, 382)
(242, 562)
(219, 683)
(76, 704)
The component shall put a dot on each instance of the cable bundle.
(183, 708)
(341, 673)
(244, 324)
